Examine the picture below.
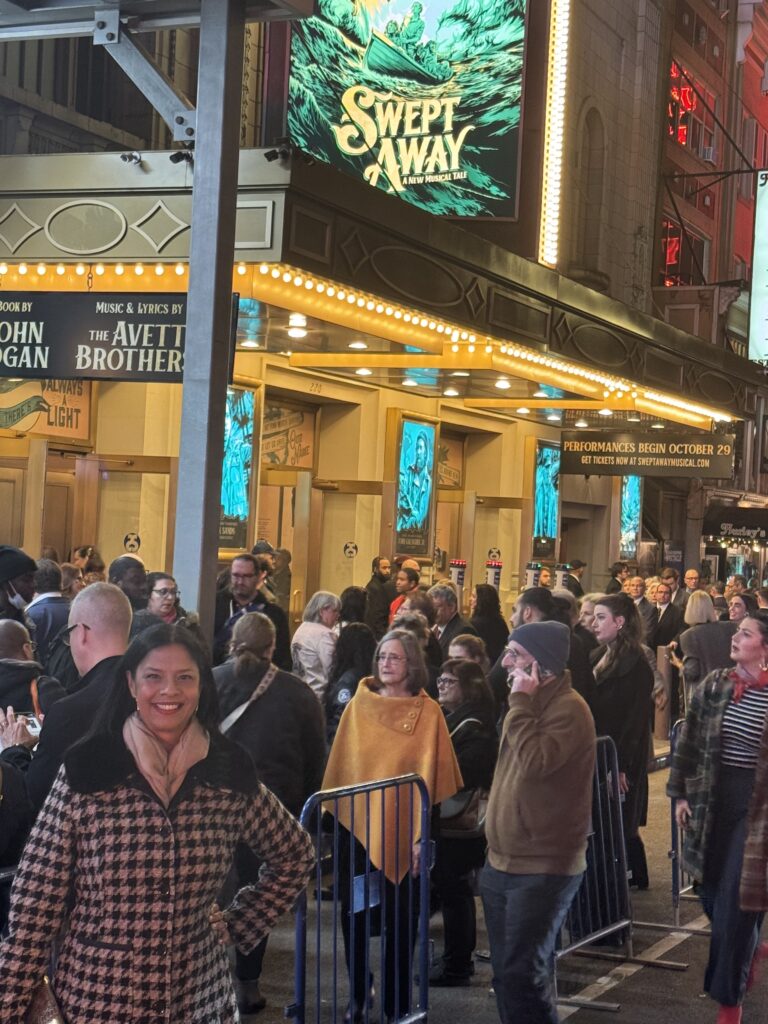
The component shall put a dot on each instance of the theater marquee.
(420, 98)
(593, 453)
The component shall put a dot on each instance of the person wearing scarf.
(390, 727)
(719, 780)
(139, 830)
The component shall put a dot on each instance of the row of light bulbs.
(81, 269)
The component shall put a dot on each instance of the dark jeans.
(451, 878)
(735, 932)
(397, 923)
(523, 915)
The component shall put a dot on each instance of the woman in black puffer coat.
(467, 702)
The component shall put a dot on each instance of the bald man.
(99, 624)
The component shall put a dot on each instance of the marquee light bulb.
(119, 269)
(60, 269)
(99, 269)
(41, 268)
(80, 269)
(139, 269)
(23, 268)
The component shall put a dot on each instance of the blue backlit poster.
(419, 98)
(546, 500)
(631, 516)
(236, 470)
(415, 488)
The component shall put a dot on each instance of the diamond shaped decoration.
(475, 298)
(12, 227)
(355, 251)
(159, 226)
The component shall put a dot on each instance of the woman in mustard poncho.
(390, 727)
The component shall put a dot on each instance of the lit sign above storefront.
(420, 99)
(92, 335)
(758, 300)
(593, 453)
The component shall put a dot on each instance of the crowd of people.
(165, 775)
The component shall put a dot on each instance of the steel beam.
(209, 309)
(170, 103)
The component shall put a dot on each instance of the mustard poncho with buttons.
(380, 738)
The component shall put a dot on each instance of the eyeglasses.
(514, 653)
(67, 637)
(446, 681)
(167, 591)
(390, 657)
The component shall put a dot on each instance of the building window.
(690, 114)
(591, 187)
(683, 255)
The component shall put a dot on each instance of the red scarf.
(740, 686)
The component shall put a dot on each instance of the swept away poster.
(420, 98)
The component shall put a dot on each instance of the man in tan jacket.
(539, 817)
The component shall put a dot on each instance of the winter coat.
(140, 948)
(16, 679)
(226, 615)
(622, 708)
(381, 594)
(494, 632)
(474, 743)
(312, 650)
(696, 763)
(283, 731)
(706, 647)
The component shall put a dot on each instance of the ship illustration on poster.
(419, 98)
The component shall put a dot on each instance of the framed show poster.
(413, 441)
(631, 517)
(546, 500)
(237, 469)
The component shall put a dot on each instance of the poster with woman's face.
(415, 490)
(631, 514)
(546, 507)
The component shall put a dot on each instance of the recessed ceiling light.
(460, 373)
(363, 372)
(581, 424)
(540, 394)
(451, 393)
(249, 343)
(296, 332)
(409, 382)
(554, 417)
(358, 346)
(605, 412)
(297, 320)
(502, 384)
(657, 426)
(523, 410)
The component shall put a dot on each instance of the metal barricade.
(380, 921)
(602, 910)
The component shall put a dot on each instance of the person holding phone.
(538, 819)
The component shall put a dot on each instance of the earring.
(763, 666)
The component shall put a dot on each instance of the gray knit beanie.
(548, 642)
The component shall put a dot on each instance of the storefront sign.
(736, 524)
(415, 490)
(420, 98)
(288, 436)
(58, 409)
(236, 470)
(594, 453)
(92, 335)
(758, 298)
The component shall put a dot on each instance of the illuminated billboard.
(236, 469)
(416, 488)
(546, 501)
(419, 98)
(631, 516)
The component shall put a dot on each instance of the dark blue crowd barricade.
(356, 931)
(601, 912)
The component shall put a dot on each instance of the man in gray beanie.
(538, 820)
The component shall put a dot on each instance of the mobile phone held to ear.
(34, 724)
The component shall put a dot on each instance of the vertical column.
(206, 362)
(34, 498)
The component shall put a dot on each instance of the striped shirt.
(743, 725)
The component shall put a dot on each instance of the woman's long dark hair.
(630, 636)
(488, 605)
(354, 650)
(120, 704)
(354, 602)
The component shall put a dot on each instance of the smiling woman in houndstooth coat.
(138, 834)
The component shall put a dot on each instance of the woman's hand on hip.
(682, 813)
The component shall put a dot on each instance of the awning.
(737, 523)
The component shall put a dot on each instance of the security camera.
(180, 156)
(131, 158)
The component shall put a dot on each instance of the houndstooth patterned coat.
(141, 881)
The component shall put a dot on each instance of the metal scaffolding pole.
(209, 309)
